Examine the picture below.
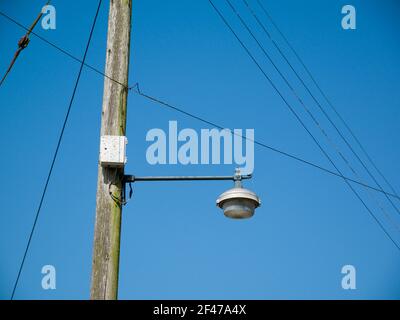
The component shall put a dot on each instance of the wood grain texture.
(106, 248)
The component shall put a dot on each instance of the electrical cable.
(325, 96)
(65, 52)
(320, 107)
(261, 144)
(56, 151)
(303, 125)
(316, 122)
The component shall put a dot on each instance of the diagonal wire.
(303, 125)
(325, 96)
(314, 119)
(316, 122)
(317, 102)
(259, 143)
(284, 153)
(63, 51)
(324, 112)
(56, 151)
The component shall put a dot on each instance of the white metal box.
(113, 151)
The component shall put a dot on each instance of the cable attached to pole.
(301, 121)
(56, 152)
(325, 96)
(135, 88)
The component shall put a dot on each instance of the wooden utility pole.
(104, 284)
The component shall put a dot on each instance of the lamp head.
(238, 202)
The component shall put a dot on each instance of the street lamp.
(236, 203)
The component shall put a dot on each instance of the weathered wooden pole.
(106, 249)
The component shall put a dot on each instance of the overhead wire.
(333, 144)
(320, 107)
(256, 142)
(314, 119)
(56, 152)
(137, 90)
(302, 123)
(61, 50)
(324, 95)
(149, 97)
(83, 63)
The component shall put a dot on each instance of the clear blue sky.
(175, 243)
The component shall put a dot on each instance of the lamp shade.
(238, 203)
